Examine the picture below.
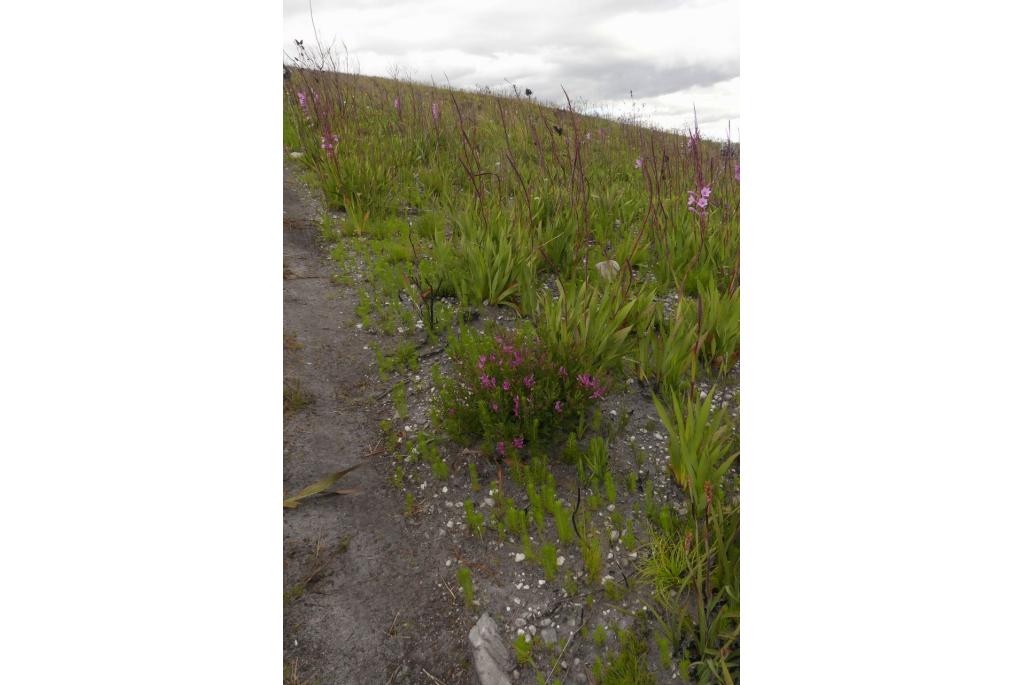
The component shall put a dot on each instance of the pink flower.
(488, 381)
(494, 407)
(529, 382)
(515, 407)
(586, 380)
(398, 104)
(639, 162)
(435, 110)
(518, 443)
(562, 372)
(736, 171)
(558, 406)
(482, 361)
(705, 191)
(702, 203)
(506, 385)
(501, 448)
(329, 142)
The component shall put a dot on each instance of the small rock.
(608, 269)
(559, 561)
(549, 636)
(520, 556)
(490, 656)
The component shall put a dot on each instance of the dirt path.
(361, 597)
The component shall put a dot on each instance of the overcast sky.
(673, 55)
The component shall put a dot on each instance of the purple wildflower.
(518, 443)
(639, 162)
(702, 203)
(506, 385)
(329, 142)
(705, 191)
(736, 171)
(398, 105)
(501, 448)
(494, 407)
(562, 372)
(481, 362)
(586, 380)
(515, 407)
(558, 406)
(435, 110)
(529, 382)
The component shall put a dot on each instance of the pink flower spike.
(494, 407)
(690, 200)
(558, 406)
(705, 191)
(482, 361)
(518, 443)
(435, 110)
(702, 203)
(501, 448)
(562, 372)
(529, 382)
(639, 162)
(515, 407)
(506, 385)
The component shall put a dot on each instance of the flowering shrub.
(508, 391)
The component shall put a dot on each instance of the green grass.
(486, 205)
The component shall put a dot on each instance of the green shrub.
(508, 391)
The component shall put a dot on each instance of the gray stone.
(608, 269)
(490, 656)
(549, 635)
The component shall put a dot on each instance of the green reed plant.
(701, 446)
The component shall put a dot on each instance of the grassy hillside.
(614, 248)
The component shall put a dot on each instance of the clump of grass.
(474, 478)
(549, 560)
(398, 397)
(590, 549)
(295, 397)
(523, 649)
(466, 583)
(563, 523)
(474, 519)
(628, 666)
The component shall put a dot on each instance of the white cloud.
(671, 55)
